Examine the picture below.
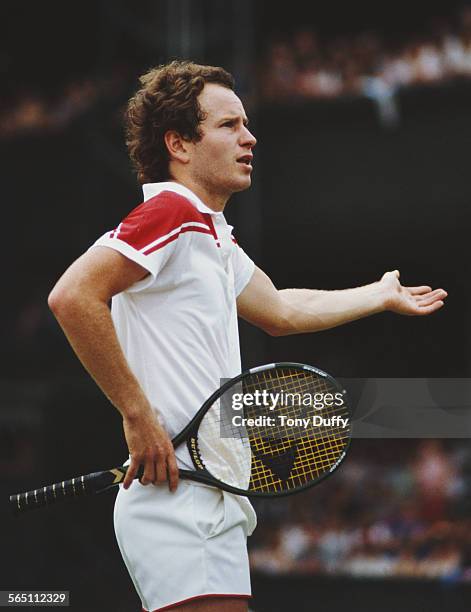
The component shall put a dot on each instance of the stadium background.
(348, 183)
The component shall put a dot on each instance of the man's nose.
(248, 138)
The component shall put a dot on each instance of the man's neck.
(213, 201)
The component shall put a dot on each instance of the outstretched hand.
(412, 301)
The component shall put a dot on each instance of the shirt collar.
(152, 189)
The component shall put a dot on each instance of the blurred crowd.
(298, 66)
(395, 509)
(29, 112)
(368, 64)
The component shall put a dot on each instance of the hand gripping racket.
(273, 430)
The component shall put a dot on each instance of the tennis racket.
(273, 430)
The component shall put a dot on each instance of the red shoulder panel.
(156, 218)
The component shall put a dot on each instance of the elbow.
(282, 325)
(57, 301)
(271, 330)
(54, 300)
(69, 301)
(63, 300)
(275, 330)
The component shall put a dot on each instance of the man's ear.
(177, 146)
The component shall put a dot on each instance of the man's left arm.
(295, 311)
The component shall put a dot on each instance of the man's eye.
(228, 124)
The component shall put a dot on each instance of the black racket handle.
(96, 482)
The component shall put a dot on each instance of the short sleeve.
(149, 234)
(243, 268)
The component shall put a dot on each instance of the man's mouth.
(245, 159)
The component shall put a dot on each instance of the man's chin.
(242, 185)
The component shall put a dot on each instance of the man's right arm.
(79, 301)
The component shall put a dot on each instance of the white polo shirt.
(178, 326)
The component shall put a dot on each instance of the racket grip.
(67, 489)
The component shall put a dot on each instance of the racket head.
(271, 455)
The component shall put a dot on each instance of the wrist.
(135, 409)
(381, 296)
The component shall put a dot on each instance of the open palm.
(422, 300)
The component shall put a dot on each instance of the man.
(174, 273)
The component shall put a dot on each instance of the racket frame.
(189, 433)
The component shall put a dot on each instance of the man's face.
(221, 161)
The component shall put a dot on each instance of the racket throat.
(192, 445)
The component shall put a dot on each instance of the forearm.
(310, 310)
(297, 311)
(89, 328)
(80, 303)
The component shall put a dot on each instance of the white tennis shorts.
(183, 545)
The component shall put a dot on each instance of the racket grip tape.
(67, 489)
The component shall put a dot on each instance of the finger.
(426, 310)
(437, 292)
(161, 469)
(419, 290)
(149, 472)
(433, 296)
(172, 471)
(131, 473)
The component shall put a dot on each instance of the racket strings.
(279, 446)
(318, 447)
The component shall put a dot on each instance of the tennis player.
(177, 280)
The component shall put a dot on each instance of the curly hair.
(167, 100)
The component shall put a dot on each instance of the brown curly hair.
(167, 100)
